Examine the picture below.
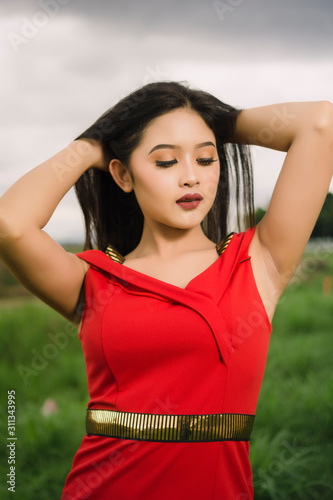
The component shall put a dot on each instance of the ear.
(121, 175)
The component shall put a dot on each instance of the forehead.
(177, 126)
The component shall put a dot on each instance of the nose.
(189, 176)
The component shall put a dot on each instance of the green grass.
(45, 445)
(292, 443)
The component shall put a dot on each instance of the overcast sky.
(64, 62)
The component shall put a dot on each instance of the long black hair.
(113, 216)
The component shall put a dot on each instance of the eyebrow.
(172, 146)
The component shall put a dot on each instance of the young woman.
(174, 314)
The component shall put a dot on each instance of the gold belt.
(170, 428)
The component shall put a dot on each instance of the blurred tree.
(259, 213)
(324, 224)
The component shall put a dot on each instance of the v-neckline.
(120, 259)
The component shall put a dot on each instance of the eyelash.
(201, 161)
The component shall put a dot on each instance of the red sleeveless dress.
(152, 347)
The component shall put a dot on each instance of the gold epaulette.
(114, 254)
(221, 247)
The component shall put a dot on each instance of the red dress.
(152, 347)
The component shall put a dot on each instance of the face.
(175, 170)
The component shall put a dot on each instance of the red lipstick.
(189, 201)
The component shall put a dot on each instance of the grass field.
(292, 442)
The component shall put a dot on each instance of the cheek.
(155, 184)
(211, 183)
(150, 190)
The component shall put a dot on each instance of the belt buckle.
(186, 431)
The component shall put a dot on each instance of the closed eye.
(166, 163)
(205, 161)
(201, 161)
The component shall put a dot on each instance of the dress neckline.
(117, 257)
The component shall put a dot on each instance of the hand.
(94, 149)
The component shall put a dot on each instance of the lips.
(190, 197)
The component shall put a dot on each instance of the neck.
(167, 242)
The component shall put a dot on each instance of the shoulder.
(96, 257)
(246, 246)
(236, 243)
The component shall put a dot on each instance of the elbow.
(323, 119)
(8, 231)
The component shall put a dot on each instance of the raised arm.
(305, 132)
(32, 256)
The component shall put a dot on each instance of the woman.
(174, 315)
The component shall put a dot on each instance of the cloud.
(85, 56)
(286, 28)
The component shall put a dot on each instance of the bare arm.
(305, 132)
(32, 256)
